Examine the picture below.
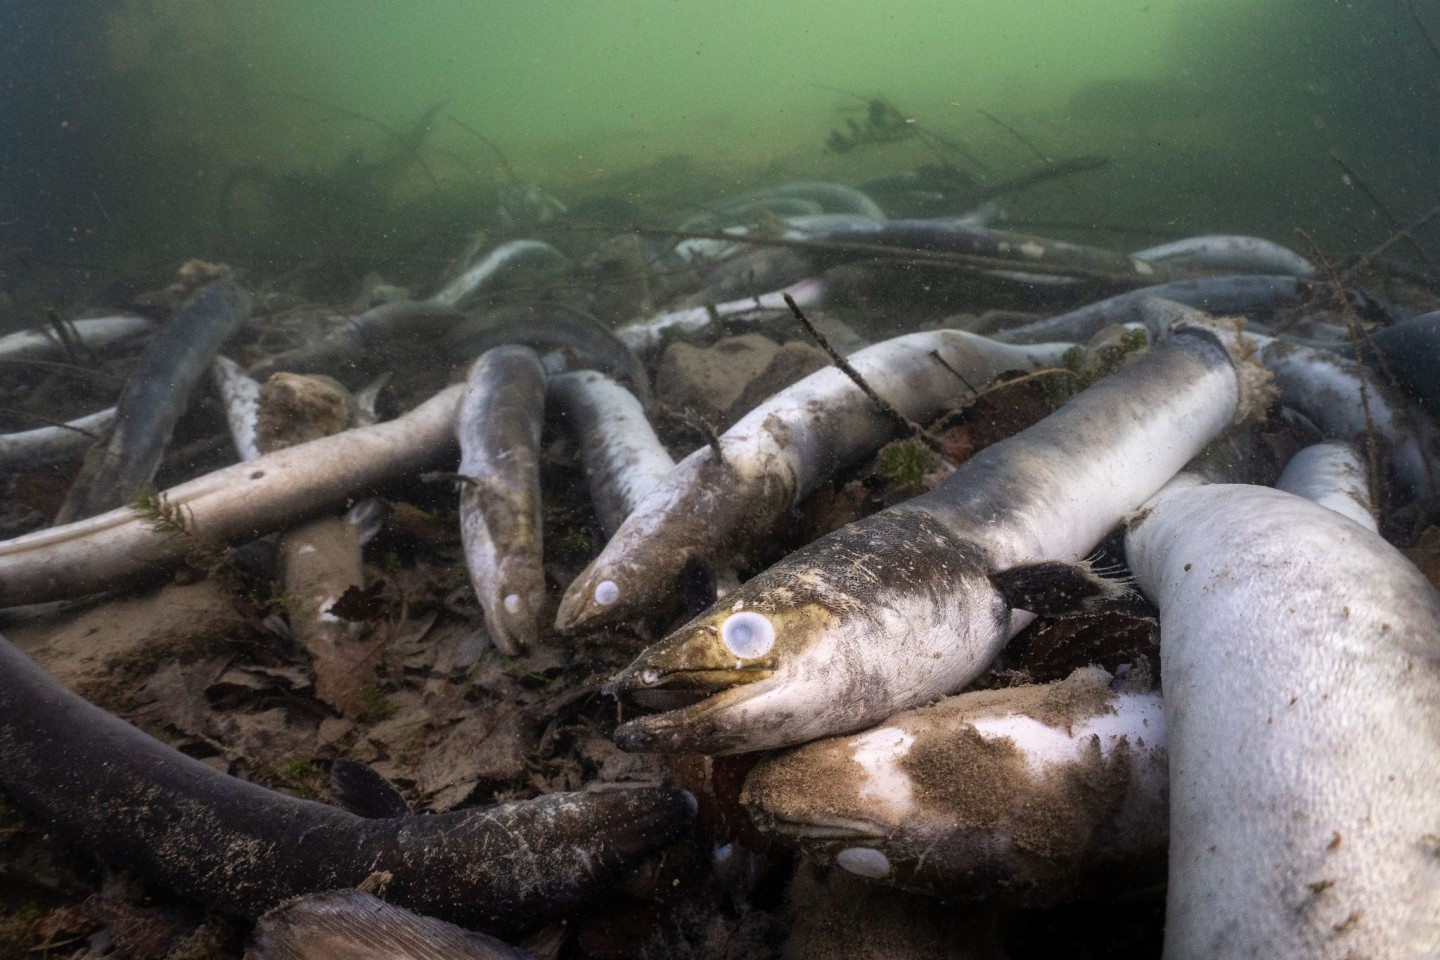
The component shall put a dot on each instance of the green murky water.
(146, 130)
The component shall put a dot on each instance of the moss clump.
(375, 705)
(302, 777)
(572, 542)
(1103, 358)
(17, 926)
(903, 466)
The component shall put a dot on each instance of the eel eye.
(864, 862)
(607, 592)
(748, 635)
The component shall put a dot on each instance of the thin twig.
(1016, 134)
(65, 368)
(390, 132)
(505, 163)
(1424, 30)
(1403, 233)
(1388, 214)
(1053, 170)
(11, 411)
(1352, 325)
(63, 331)
(894, 415)
(935, 355)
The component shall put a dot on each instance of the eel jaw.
(824, 829)
(600, 598)
(698, 728)
(704, 669)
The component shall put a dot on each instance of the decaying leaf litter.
(204, 657)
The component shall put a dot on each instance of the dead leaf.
(485, 748)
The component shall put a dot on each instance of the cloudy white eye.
(606, 592)
(649, 677)
(864, 862)
(748, 635)
(512, 603)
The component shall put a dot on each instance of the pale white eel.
(1301, 662)
(624, 459)
(1016, 796)
(711, 506)
(1333, 475)
(236, 503)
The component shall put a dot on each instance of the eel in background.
(624, 459)
(242, 849)
(1301, 660)
(125, 461)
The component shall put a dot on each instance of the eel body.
(97, 333)
(1407, 351)
(1346, 401)
(1248, 294)
(241, 395)
(581, 341)
(499, 434)
(1014, 796)
(351, 341)
(1333, 475)
(899, 608)
(715, 504)
(646, 336)
(242, 849)
(495, 267)
(1224, 253)
(46, 446)
(1301, 662)
(624, 459)
(351, 925)
(236, 503)
(153, 399)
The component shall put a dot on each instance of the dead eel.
(351, 925)
(905, 606)
(498, 430)
(1301, 659)
(242, 849)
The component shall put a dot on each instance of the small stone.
(710, 380)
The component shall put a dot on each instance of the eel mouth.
(640, 681)
(822, 830)
(650, 689)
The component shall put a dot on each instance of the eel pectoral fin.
(1051, 588)
(365, 793)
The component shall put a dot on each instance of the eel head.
(871, 619)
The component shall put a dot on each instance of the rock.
(723, 382)
(793, 361)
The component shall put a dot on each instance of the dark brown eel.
(241, 849)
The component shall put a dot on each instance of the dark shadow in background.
(54, 127)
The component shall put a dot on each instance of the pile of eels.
(1231, 447)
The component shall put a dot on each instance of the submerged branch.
(837, 358)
